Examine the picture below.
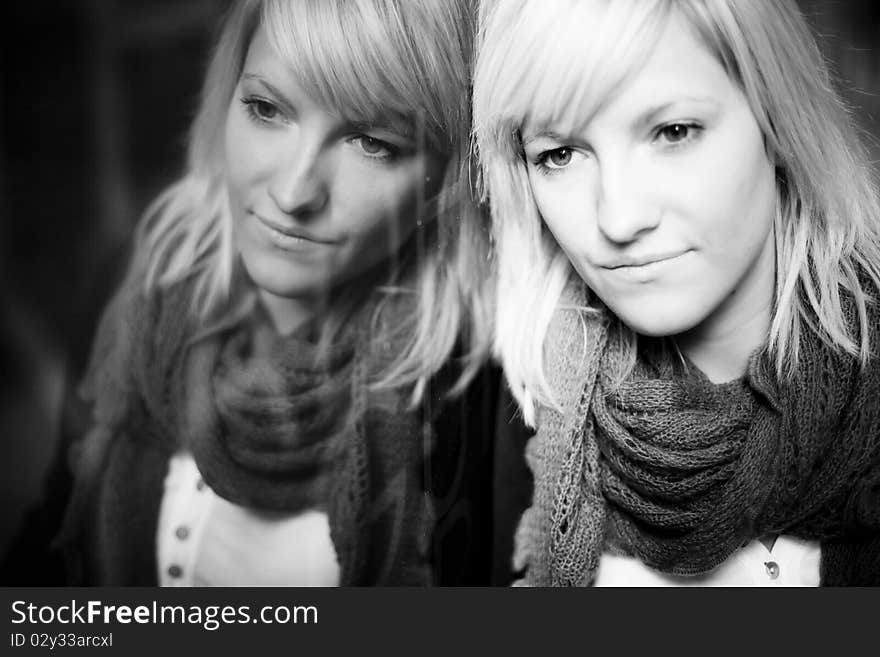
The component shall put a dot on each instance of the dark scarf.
(681, 473)
(274, 423)
(267, 417)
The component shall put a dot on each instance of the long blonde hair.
(361, 59)
(828, 218)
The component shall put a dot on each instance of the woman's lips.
(291, 238)
(646, 268)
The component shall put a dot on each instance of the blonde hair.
(827, 226)
(373, 58)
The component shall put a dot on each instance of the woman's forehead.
(355, 78)
(664, 63)
(567, 83)
(678, 72)
(265, 67)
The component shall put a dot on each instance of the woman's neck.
(289, 314)
(330, 306)
(723, 343)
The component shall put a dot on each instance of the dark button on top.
(182, 532)
(772, 569)
(200, 484)
(175, 570)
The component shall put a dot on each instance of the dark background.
(95, 100)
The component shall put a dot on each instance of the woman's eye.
(557, 158)
(373, 147)
(261, 110)
(265, 110)
(677, 133)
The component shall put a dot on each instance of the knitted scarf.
(267, 417)
(274, 423)
(679, 472)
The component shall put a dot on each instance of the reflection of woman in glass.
(257, 378)
(687, 235)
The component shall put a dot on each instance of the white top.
(790, 562)
(204, 540)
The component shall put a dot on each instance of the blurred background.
(95, 100)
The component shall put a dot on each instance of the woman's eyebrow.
(650, 115)
(398, 128)
(541, 134)
(272, 89)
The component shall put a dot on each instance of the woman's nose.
(298, 187)
(624, 211)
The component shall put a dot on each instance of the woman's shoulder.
(128, 329)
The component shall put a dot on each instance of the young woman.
(261, 413)
(688, 243)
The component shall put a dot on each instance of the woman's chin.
(659, 321)
(285, 280)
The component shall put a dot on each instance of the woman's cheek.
(565, 211)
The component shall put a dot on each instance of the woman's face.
(316, 199)
(665, 202)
